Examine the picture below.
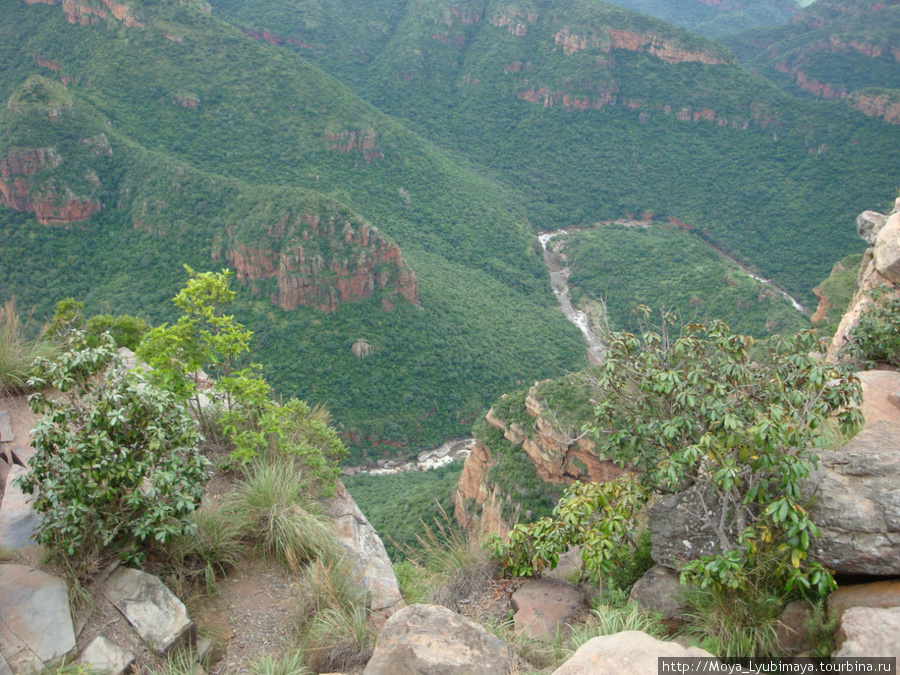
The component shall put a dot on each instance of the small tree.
(116, 464)
(702, 408)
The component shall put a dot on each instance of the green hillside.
(194, 139)
(715, 18)
(668, 268)
(832, 49)
(593, 113)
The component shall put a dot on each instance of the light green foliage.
(290, 664)
(598, 517)
(203, 338)
(876, 338)
(701, 407)
(126, 331)
(117, 465)
(609, 620)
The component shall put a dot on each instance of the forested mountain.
(848, 49)
(381, 214)
(716, 17)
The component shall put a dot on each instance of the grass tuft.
(18, 351)
(290, 664)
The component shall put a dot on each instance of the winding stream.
(559, 281)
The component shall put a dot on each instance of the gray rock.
(870, 631)
(887, 249)
(4, 667)
(6, 432)
(156, 614)
(18, 519)
(857, 503)
(35, 624)
(367, 551)
(430, 639)
(106, 657)
(660, 590)
(543, 605)
(868, 223)
(628, 652)
(682, 527)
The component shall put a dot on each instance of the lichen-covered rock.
(682, 527)
(430, 639)
(104, 656)
(18, 519)
(152, 609)
(627, 652)
(367, 552)
(868, 224)
(35, 621)
(856, 503)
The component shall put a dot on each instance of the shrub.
(876, 338)
(18, 351)
(116, 463)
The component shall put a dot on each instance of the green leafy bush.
(876, 338)
(116, 465)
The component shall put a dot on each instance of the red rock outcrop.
(84, 13)
(877, 105)
(561, 99)
(515, 21)
(359, 263)
(273, 39)
(52, 204)
(615, 38)
(556, 459)
(362, 141)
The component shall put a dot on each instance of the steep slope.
(847, 49)
(139, 137)
(594, 113)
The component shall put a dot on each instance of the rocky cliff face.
(883, 105)
(615, 38)
(50, 200)
(322, 262)
(880, 266)
(558, 457)
(86, 12)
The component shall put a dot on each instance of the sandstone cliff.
(87, 12)
(323, 261)
(880, 266)
(544, 425)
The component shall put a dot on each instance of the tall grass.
(333, 620)
(18, 351)
(281, 516)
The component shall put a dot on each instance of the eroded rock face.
(660, 590)
(431, 639)
(360, 262)
(857, 504)
(543, 605)
(682, 527)
(627, 652)
(887, 247)
(367, 551)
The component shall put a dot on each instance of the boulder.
(682, 527)
(660, 590)
(883, 594)
(887, 248)
(105, 657)
(367, 552)
(856, 503)
(152, 609)
(792, 630)
(18, 519)
(543, 605)
(35, 623)
(628, 652)
(868, 224)
(434, 640)
(870, 631)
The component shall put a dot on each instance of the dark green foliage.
(397, 505)
(663, 267)
(117, 465)
(876, 338)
